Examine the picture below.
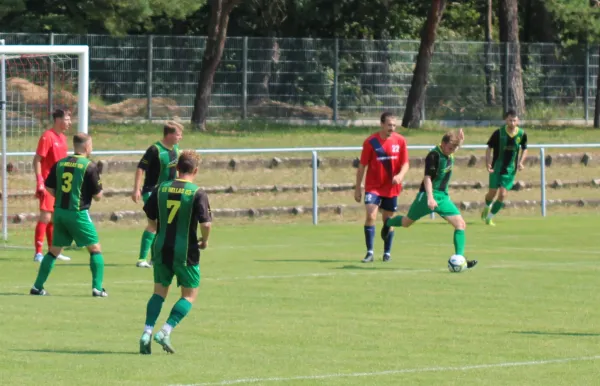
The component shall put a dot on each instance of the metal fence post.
(50, 78)
(3, 128)
(149, 77)
(245, 78)
(336, 68)
(505, 91)
(315, 187)
(586, 88)
(543, 180)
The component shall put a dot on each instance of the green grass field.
(290, 304)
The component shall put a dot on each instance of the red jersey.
(52, 147)
(384, 159)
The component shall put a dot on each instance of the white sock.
(148, 329)
(167, 328)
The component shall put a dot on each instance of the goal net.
(35, 81)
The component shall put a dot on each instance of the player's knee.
(502, 193)
(460, 225)
(96, 248)
(45, 217)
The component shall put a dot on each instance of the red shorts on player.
(47, 202)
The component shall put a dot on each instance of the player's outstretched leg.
(496, 206)
(97, 268)
(152, 312)
(145, 245)
(460, 225)
(387, 234)
(44, 271)
(489, 200)
(49, 236)
(181, 308)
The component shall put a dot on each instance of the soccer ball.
(457, 263)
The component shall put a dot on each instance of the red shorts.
(47, 202)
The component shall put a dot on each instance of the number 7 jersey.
(75, 180)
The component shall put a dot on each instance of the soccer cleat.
(99, 294)
(38, 257)
(385, 232)
(39, 292)
(63, 257)
(485, 212)
(145, 341)
(165, 341)
(143, 264)
(386, 257)
(490, 222)
(471, 263)
(368, 258)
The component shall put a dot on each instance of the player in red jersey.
(385, 157)
(52, 146)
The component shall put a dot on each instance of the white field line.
(522, 265)
(399, 371)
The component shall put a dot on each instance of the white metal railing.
(315, 150)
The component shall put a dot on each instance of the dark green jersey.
(178, 206)
(75, 181)
(159, 163)
(438, 166)
(506, 149)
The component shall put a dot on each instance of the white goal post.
(52, 54)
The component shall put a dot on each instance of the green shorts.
(72, 226)
(445, 208)
(498, 180)
(188, 276)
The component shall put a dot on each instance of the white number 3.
(395, 148)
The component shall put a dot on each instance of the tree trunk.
(215, 43)
(597, 106)
(509, 34)
(416, 94)
(490, 91)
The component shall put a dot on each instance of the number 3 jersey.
(178, 206)
(384, 159)
(75, 181)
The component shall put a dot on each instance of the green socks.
(97, 268)
(153, 309)
(395, 221)
(178, 312)
(459, 242)
(488, 202)
(147, 239)
(45, 268)
(496, 207)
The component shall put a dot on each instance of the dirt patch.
(269, 108)
(36, 97)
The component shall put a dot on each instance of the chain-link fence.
(155, 77)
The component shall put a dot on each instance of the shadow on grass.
(367, 267)
(300, 261)
(555, 333)
(77, 352)
(67, 264)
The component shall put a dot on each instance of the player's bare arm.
(137, 185)
(398, 178)
(205, 232)
(37, 168)
(431, 203)
(360, 173)
(521, 165)
(488, 160)
(98, 197)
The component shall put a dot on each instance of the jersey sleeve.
(365, 155)
(431, 164)
(44, 145)
(148, 159)
(92, 179)
(524, 141)
(51, 179)
(494, 140)
(403, 152)
(202, 207)
(151, 206)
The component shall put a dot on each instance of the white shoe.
(63, 257)
(38, 257)
(143, 264)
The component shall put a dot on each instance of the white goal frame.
(83, 82)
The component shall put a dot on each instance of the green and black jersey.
(75, 180)
(438, 166)
(178, 206)
(506, 149)
(159, 163)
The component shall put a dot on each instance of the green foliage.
(578, 20)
